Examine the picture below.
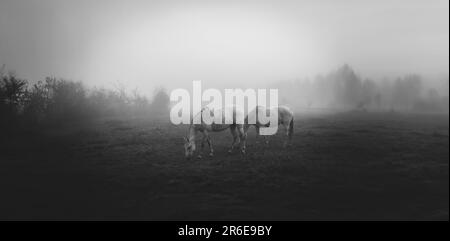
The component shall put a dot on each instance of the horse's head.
(189, 147)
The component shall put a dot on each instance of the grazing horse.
(285, 118)
(237, 130)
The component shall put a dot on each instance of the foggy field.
(347, 166)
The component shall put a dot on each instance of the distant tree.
(36, 102)
(12, 91)
(407, 91)
(322, 91)
(433, 95)
(377, 100)
(368, 92)
(139, 102)
(347, 87)
(160, 102)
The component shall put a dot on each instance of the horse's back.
(236, 112)
(285, 111)
(229, 116)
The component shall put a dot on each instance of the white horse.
(237, 131)
(285, 118)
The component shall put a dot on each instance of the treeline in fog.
(54, 101)
(343, 89)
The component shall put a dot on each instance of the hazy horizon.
(147, 44)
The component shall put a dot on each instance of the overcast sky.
(223, 43)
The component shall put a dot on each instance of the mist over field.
(384, 55)
(58, 100)
(85, 132)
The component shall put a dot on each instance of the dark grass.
(349, 166)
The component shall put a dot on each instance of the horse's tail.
(291, 128)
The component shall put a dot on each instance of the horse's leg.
(257, 133)
(208, 139)
(286, 141)
(265, 139)
(202, 144)
(235, 137)
(243, 138)
(289, 131)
